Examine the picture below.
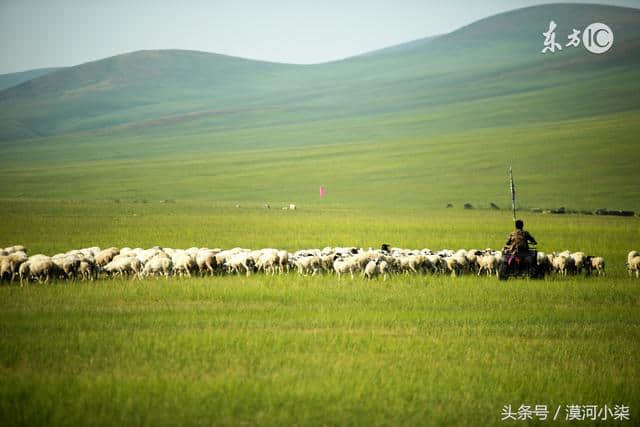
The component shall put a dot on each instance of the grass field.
(576, 163)
(158, 147)
(416, 350)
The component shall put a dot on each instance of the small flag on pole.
(323, 191)
(512, 187)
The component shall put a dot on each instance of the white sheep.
(308, 264)
(38, 266)
(283, 261)
(119, 266)
(438, 265)
(105, 256)
(456, 264)
(267, 261)
(561, 264)
(87, 270)
(597, 264)
(6, 269)
(241, 262)
(370, 270)
(13, 249)
(67, 265)
(183, 263)
(9, 264)
(489, 264)
(343, 266)
(413, 263)
(158, 265)
(326, 261)
(383, 269)
(206, 261)
(634, 265)
(578, 261)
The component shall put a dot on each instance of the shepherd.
(518, 241)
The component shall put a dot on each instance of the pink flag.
(323, 191)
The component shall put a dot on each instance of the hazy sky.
(45, 33)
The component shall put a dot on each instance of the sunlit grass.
(283, 350)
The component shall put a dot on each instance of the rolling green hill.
(416, 125)
(14, 79)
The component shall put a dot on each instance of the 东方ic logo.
(596, 38)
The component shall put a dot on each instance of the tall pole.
(513, 193)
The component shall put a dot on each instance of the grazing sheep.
(24, 271)
(241, 262)
(452, 265)
(634, 266)
(147, 254)
(39, 267)
(105, 256)
(267, 261)
(456, 264)
(283, 261)
(183, 263)
(9, 265)
(156, 266)
(413, 263)
(489, 264)
(370, 270)
(578, 261)
(383, 269)
(206, 261)
(123, 265)
(86, 263)
(473, 261)
(561, 264)
(544, 264)
(437, 263)
(308, 264)
(13, 249)
(6, 269)
(87, 270)
(326, 261)
(67, 265)
(597, 264)
(342, 266)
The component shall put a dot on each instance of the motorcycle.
(520, 265)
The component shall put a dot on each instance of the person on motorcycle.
(517, 246)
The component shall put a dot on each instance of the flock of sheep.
(89, 263)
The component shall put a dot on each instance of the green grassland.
(424, 124)
(157, 148)
(577, 164)
(262, 350)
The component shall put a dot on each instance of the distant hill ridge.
(494, 57)
(14, 79)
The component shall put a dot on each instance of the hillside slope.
(418, 125)
(497, 56)
(14, 79)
